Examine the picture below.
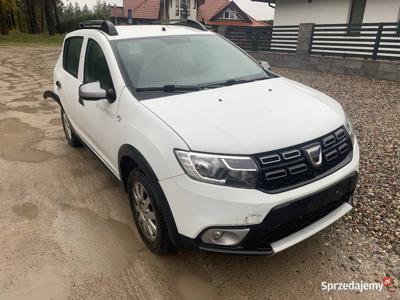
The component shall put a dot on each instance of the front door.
(99, 117)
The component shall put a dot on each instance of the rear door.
(67, 79)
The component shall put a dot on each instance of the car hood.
(249, 118)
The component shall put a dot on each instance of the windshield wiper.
(169, 88)
(232, 82)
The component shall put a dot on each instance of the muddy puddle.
(26, 99)
(37, 285)
(26, 210)
(3, 108)
(18, 141)
(193, 286)
(41, 106)
(99, 244)
(56, 122)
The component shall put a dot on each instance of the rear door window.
(71, 55)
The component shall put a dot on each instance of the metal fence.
(276, 38)
(284, 38)
(367, 40)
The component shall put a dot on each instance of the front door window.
(96, 68)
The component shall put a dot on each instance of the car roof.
(138, 31)
(141, 31)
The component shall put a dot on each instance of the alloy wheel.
(144, 211)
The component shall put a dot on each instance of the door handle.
(58, 84)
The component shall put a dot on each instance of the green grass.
(20, 38)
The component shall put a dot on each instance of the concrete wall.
(293, 12)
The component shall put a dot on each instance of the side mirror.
(265, 65)
(92, 91)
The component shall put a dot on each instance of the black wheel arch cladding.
(128, 158)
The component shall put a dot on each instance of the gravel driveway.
(66, 230)
(374, 106)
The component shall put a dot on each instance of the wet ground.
(66, 229)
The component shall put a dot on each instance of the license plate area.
(293, 216)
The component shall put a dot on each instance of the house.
(225, 13)
(147, 11)
(293, 12)
(210, 12)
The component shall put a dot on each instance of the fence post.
(377, 41)
(222, 30)
(255, 43)
(304, 38)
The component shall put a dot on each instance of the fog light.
(217, 235)
(224, 237)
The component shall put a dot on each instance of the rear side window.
(71, 55)
(96, 68)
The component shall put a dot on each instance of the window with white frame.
(182, 8)
(230, 14)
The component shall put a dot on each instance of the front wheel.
(72, 138)
(147, 214)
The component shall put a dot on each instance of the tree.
(56, 14)
(49, 12)
(7, 17)
(101, 10)
(77, 10)
(85, 10)
(31, 16)
(3, 22)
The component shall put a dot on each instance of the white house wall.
(192, 11)
(293, 12)
(382, 11)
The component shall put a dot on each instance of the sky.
(257, 10)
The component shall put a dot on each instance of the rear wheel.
(72, 138)
(147, 214)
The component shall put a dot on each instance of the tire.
(147, 214)
(70, 134)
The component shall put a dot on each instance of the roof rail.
(182, 22)
(103, 25)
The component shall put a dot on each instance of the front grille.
(291, 167)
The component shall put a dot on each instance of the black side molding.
(52, 95)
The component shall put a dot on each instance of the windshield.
(184, 61)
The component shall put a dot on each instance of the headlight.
(349, 126)
(233, 171)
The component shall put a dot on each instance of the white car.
(216, 152)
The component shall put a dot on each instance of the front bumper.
(287, 224)
(276, 221)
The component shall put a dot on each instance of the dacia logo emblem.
(314, 155)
